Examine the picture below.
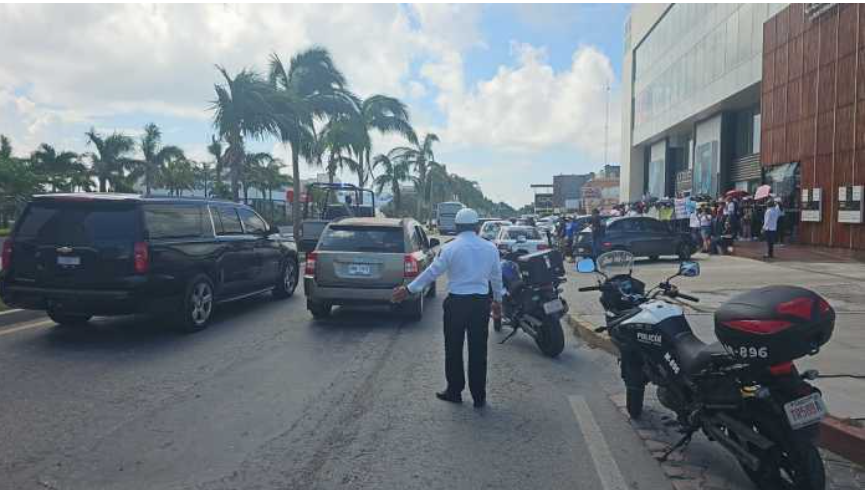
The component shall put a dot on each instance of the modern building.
(699, 82)
(567, 190)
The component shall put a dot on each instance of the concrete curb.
(11, 317)
(835, 434)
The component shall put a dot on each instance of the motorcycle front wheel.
(550, 337)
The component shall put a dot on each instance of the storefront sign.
(851, 204)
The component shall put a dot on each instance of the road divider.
(835, 434)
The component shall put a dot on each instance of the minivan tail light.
(141, 257)
(6, 261)
(310, 265)
(542, 247)
(410, 266)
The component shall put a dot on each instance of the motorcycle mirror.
(586, 266)
(689, 269)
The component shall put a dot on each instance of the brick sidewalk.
(798, 253)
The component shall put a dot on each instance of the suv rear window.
(78, 224)
(529, 233)
(362, 239)
(174, 221)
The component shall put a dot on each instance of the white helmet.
(467, 216)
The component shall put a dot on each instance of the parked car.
(79, 255)
(524, 239)
(490, 229)
(639, 235)
(360, 261)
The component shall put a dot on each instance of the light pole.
(607, 92)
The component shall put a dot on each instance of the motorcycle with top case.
(743, 392)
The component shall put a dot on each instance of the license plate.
(805, 411)
(555, 306)
(359, 269)
(68, 261)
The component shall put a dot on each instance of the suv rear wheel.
(288, 279)
(414, 310)
(68, 319)
(198, 304)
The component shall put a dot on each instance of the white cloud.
(529, 106)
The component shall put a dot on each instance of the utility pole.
(607, 92)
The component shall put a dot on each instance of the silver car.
(360, 260)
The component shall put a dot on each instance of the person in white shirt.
(473, 267)
(769, 226)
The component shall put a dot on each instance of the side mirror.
(274, 230)
(433, 242)
(689, 269)
(586, 266)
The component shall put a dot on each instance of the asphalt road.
(267, 398)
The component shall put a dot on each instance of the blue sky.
(515, 92)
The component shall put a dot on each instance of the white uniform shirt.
(472, 263)
(772, 215)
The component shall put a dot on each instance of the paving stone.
(686, 485)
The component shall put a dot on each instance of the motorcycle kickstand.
(687, 437)
(511, 334)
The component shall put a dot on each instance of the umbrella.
(736, 193)
(762, 192)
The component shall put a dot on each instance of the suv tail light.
(410, 266)
(141, 257)
(310, 265)
(6, 261)
(542, 246)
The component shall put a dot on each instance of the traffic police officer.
(473, 267)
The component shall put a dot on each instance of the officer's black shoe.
(479, 403)
(449, 396)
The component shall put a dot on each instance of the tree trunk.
(102, 184)
(296, 201)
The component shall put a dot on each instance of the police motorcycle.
(743, 392)
(531, 298)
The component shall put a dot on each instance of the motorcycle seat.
(694, 355)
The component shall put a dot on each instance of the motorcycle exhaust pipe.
(712, 425)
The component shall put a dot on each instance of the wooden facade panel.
(781, 66)
(844, 128)
(846, 83)
(767, 73)
(808, 94)
(783, 27)
(859, 124)
(796, 20)
(792, 148)
(796, 57)
(825, 133)
(808, 137)
(769, 38)
(826, 89)
(828, 42)
(859, 74)
(811, 47)
(848, 29)
(793, 101)
(780, 106)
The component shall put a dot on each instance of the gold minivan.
(358, 261)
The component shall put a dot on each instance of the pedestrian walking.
(473, 268)
(705, 223)
(695, 228)
(769, 226)
(597, 229)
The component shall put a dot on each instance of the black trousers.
(770, 238)
(466, 315)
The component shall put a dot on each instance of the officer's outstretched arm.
(437, 268)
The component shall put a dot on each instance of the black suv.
(79, 255)
(640, 235)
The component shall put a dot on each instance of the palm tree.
(251, 175)
(311, 88)
(339, 138)
(154, 157)
(178, 175)
(395, 171)
(383, 114)
(421, 155)
(54, 168)
(18, 182)
(218, 188)
(244, 108)
(110, 159)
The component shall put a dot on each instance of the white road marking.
(26, 326)
(606, 467)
